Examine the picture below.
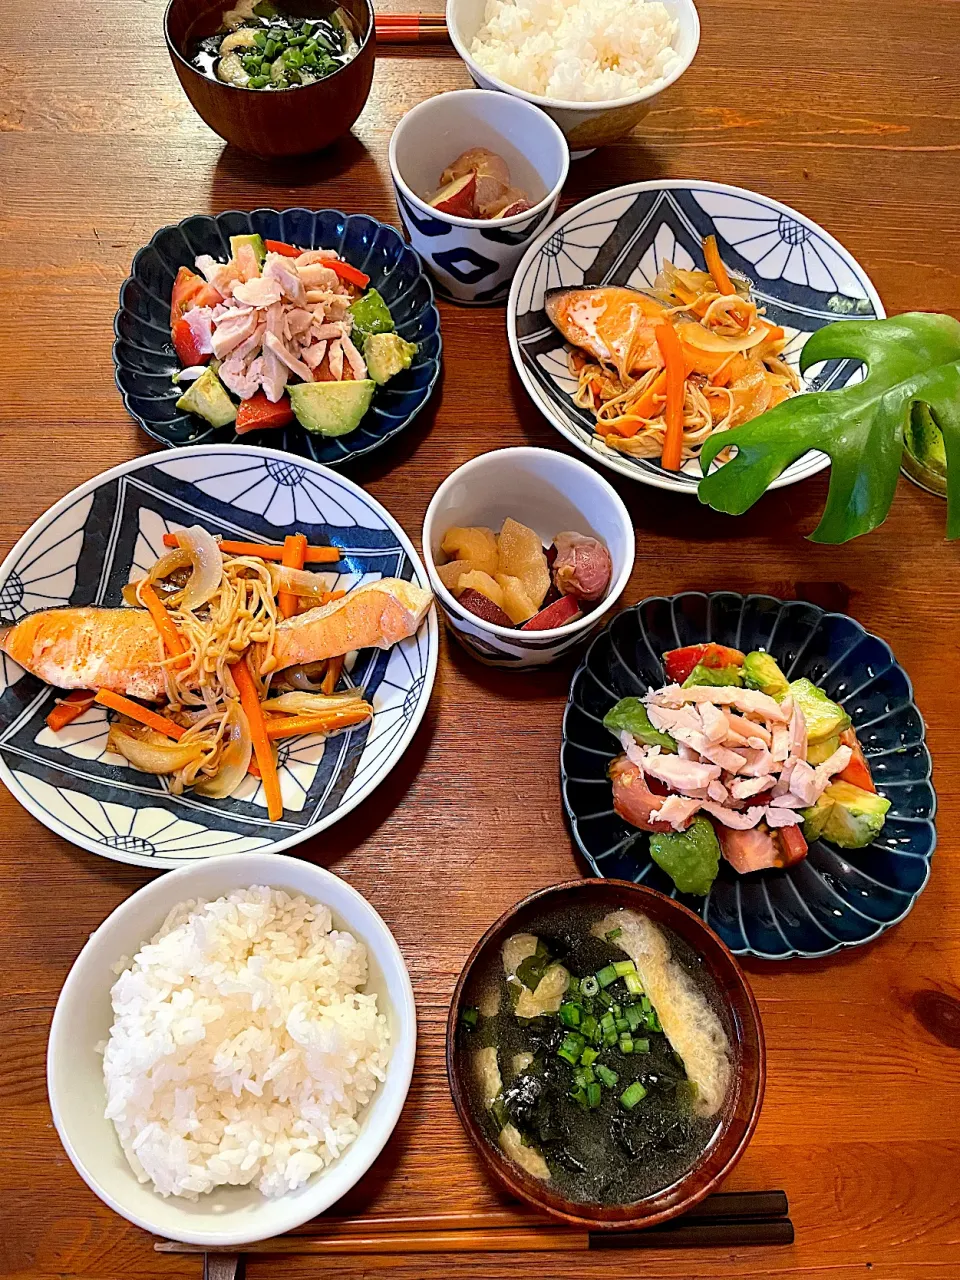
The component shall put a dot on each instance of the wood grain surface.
(848, 111)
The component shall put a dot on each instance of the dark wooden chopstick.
(727, 1219)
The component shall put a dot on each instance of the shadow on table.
(236, 173)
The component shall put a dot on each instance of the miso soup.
(597, 1054)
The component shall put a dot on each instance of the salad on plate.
(278, 333)
(733, 760)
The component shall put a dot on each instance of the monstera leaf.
(910, 359)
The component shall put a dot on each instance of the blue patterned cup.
(473, 260)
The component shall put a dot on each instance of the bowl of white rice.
(232, 1049)
(594, 66)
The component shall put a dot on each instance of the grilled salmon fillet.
(119, 649)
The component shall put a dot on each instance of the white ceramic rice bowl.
(228, 1216)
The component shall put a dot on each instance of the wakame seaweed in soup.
(587, 1093)
(260, 45)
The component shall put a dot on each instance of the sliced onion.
(706, 340)
(207, 563)
(151, 752)
(299, 582)
(311, 704)
(234, 759)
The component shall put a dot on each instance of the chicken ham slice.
(232, 330)
(749, 701)
(677, 810)
(274, 346)
(682, 775)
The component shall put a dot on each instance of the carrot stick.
(676, 371)
(250, 701)
(288, 726)
(173, 641)
(332, 674)
(69, 709)
(294, 550)
(715, 265)
(127, 707)
(266, 551)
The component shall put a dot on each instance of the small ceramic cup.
(473, 260)
(586, 125)
(550, 493)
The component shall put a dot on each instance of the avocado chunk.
(631, 714)
(847, 816)
(760, 671)
(924, 439)
(824, 718)
(207, 397)
(715, 677)
(817, 752)
(240, 246)
(387, 354)
(370, 315)
(691, 858)
(331, 408)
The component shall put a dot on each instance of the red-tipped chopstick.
(411, 28)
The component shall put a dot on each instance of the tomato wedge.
(186, 346)
(259, 414)
(792, 844)
(189, 291)
(857, 772)
(678, 663)
(278, 246)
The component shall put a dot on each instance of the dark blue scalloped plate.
(145, 359)
(835, 898)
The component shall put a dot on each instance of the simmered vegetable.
(262, 47)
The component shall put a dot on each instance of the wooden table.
(846, 111)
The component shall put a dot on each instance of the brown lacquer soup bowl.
(272, 123)
(675, 1183)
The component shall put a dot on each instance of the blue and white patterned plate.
(835, 898)
(145, 359)
(803, 277)
(109, 531)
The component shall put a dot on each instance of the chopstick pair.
(411, 28)
(731, 1220)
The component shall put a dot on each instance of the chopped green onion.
(584, 1076)
(626, 1044)
(607, 1077)
(606, 976)
(633, 1094)
(470, 1018)
(633, 984)
(652, 1021)
(589, 986)
(270, 50)
(605, 998)
(634, 1017)
(645, 1004)
(610, 1038)
(623, 967)
(622, 1024)
(613, 935)
(589, 1057)
(570, 1015)
(257, 82)
(593, 1095)
(590, 1029)
(641, 1046)
(572, 1047)
(579, 1096)
(259, 39)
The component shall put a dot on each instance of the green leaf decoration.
(910, 359)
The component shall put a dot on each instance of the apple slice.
(518, 206)
(483, 607)
(458, 197)
(558, 614)
(483, 162)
